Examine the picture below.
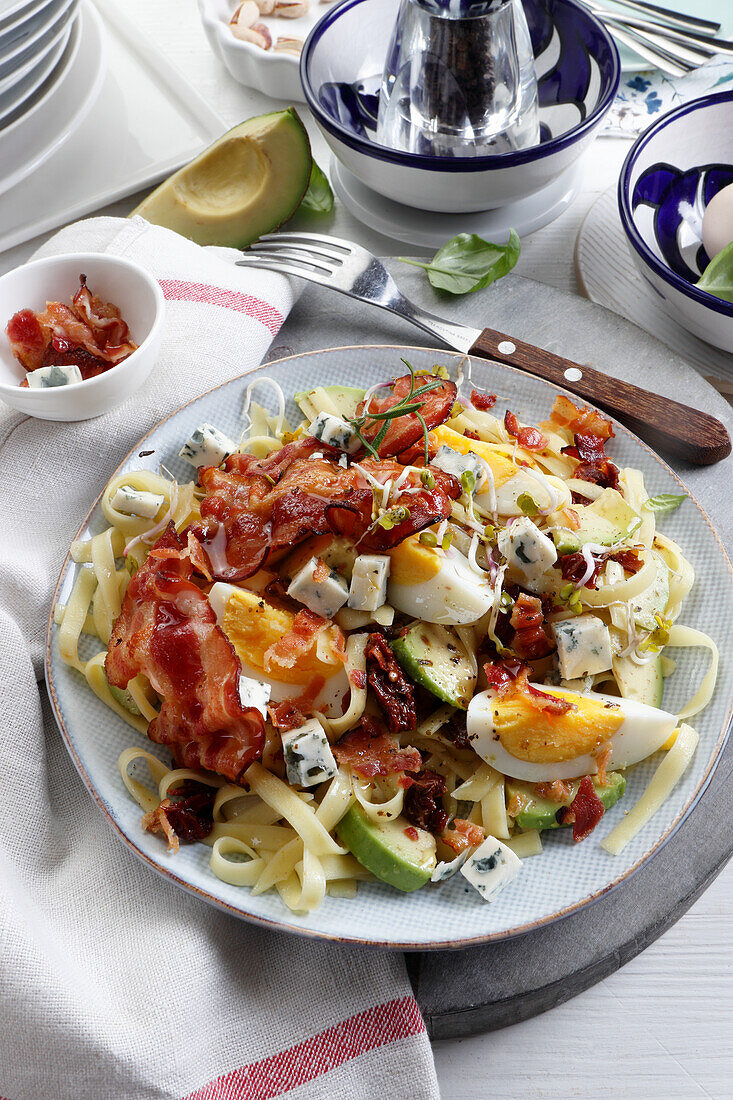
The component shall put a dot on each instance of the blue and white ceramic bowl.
(670, 175)
(341, 66)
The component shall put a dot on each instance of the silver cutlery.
(355, 272)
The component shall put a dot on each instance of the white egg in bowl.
(518, 738)
(259, 632)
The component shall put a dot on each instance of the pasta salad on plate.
(399, 637)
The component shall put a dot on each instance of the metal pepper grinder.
(459, 80)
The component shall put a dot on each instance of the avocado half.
(247, 183)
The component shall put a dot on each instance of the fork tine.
(299, 251)
(303, 257)
(310, 238)
(282, 267)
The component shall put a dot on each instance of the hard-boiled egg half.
(509, 481)
(436, 586)
(254, 626)
(524, 742)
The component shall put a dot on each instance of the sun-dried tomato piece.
(455, 730)
(628, 559)
(574, 566)
(422, 805)
(530, 640)
(393, 690)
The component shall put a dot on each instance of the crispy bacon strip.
(580, 419)
(530, 438)
(530, 641)
(593, 463)
(369, 751)
(404, 431)
(90, 333)
(508, 678)
(167, 630)
(257, 510)
(462, 835)
(482, 401)
(584, 812)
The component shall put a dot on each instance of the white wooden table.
(661, 1028)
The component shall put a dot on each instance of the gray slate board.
(483, 988)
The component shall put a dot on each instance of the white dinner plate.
(21, 94)
(19, 64)
(36, 136)
(23, 24)
(566, 876)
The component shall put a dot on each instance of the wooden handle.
(665, 424)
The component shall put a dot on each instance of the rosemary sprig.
(404, 407)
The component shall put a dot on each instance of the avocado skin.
(410, 651)
(541, 813)
(369, 844)
(291, 163)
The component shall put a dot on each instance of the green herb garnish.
(717, 278)
(665, 502)
(528, 505)
(319, 196)
(404, 407)
(468, 263)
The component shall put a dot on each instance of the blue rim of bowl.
(627, 219)
(458, 164)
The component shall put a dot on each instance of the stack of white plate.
(51, 72)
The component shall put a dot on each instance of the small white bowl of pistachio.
(259, 41)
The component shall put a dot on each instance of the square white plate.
(146, 123)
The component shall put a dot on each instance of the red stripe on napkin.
(179, 290)
(385, 1023)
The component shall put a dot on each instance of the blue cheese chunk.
(323, 596)
(335, 432)
(137, 502)
(253, 693)
(46, 377)
(308, 757)
(528, 551)
(207, 447)
(368, 589)
(452, 462)
(447, 869)
(491, 868)
(583, 646)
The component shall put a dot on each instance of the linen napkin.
(115, 984)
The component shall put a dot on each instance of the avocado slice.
(606, 521)
(433, 656)
(247, 183)
(337, 400)
(123, 697)
(386, 850)
(642, 682)
(541, 813)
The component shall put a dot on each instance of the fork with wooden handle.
(350, 269)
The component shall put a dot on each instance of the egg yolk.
(414, 563)
(541, 737)
(254, 626)
(501, 467)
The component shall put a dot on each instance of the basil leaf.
(717, 278)
(468, 263)
(665, 502)
(319, 196)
